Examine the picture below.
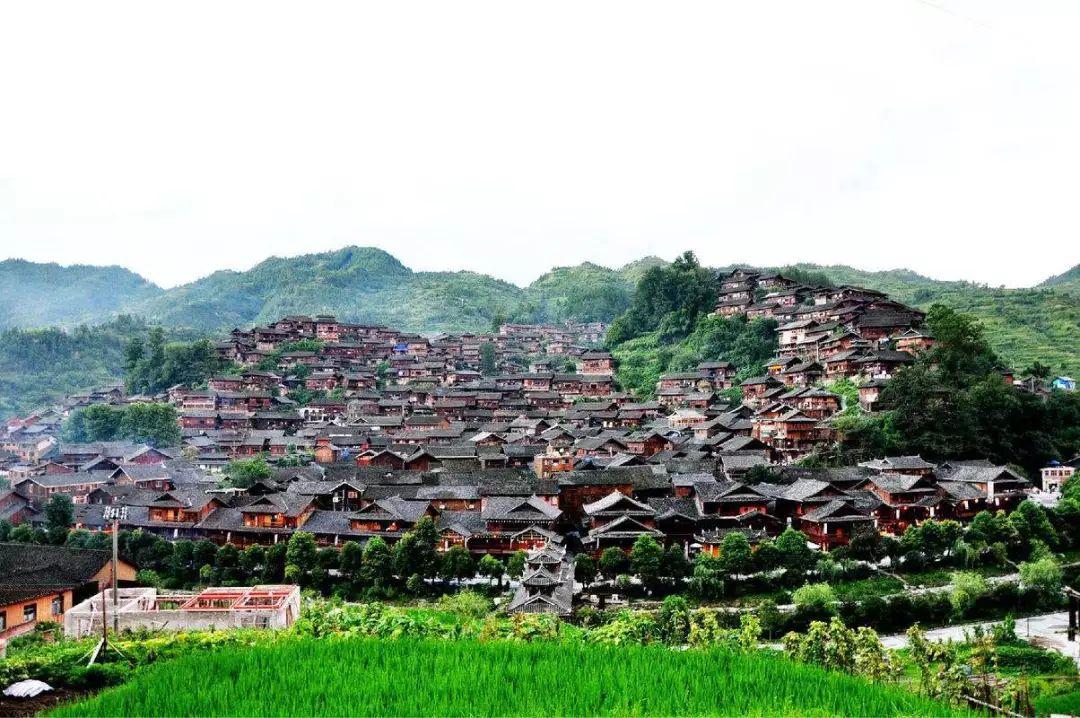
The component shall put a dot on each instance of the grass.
(360, 677)
(1065, 704)
(935, 578)
(867, 587)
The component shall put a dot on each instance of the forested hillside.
(39, 366)
(587, 292)
(364, 284)
(1066, 282)
(668, 328)
(360, 284)
(355, 284)
(40, 295)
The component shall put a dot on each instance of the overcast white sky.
(508, 137)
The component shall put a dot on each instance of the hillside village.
(520, 439)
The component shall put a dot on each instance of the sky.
(504, 137)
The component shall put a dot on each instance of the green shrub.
(1029, 659)
(467, 603)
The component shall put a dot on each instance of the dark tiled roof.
(31, 570)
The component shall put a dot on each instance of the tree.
(707, 578)
(613, 561)
(203, 552)
(491, 567)
(676, 566)
(815, 597)
(252, 560)
(967, 588)
(377, 568)
(987, 528)
(960, 349)
(515, 565)
(134, 353)
(154, 362)
(837, 647)
(767, 557)
(951, 403)
(227, 565)
(59, 515)
(1066, 519)
(1071, 488)
(668, 298)
(274, 563)
(351, 561)
(795, 555)
(300, 557)
(1043, 576)
(673, 620)
(1038, 370)
(154, 424)
(584, 569)
(866, 545)
(98, 422)
(736, 557)
(749, 632)
(1031, 523)
(242, 473)
(487, 359)
(457, 564)
(647, 560)
(23, 533)
(415, 552)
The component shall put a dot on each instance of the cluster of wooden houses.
(516, 440)
(827, 333)
(597, 501)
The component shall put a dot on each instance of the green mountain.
(364, 284)
(1065, 282)
(586, 292)
(360, 284)
(37, 295)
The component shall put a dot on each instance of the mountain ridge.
(369, 284)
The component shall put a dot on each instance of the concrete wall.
(136, 612)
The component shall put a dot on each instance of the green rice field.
(361, 677)
(1067, 704)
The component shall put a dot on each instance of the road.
(1046, 631)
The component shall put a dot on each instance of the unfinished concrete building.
(214, 608)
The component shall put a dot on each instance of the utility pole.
(116, 514)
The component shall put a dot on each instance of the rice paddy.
(362, 677)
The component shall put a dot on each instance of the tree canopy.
(153, 424)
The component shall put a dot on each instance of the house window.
(3, 620)
(58, 606)
(29, 612)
